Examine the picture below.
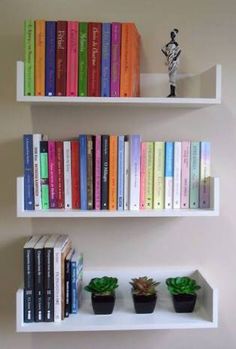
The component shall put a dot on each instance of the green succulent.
(144, 286)
(182, 285)
(102, 286)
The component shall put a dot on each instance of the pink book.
(115, 59)
(97, 172)
(143, 171)
(52, 174)
(72, 59)
(185, 168)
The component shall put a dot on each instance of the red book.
(61, 58)
(60, 174)
(94, 59)
(75, 174)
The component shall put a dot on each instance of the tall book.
(194, 174)
(112, 173)
(143, 174)
(90, 172)
(149, 176)
(68, 282)
(29, 287)
(134, 189)
(76, 281)
(83, 58)
(72, 59)
(40, 57)
(60, 174)
(104, 172)
(185, 168)
(120, 191)
(65, 250)
(83, 171)
(37, 138)
(29, 33)
(50, 59)
(97, 187)
(44, 178)
(126, 173)
(67, 174)
(169, 172)
(94, 59)
(106, 60)
(28, 172)
(115, 59)
(75, 174)
(61, 58)
(177, 175)
(205, 175)
(52, 174)
(159, 175)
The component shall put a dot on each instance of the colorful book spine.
(104, 171)
(52, 174)
(36, 156)
(106, 60)
(44, 174)
(124, 57)
(112, 173)
(97, 194)
(126, 174)
(159, 175)
(60, 174)
(194, 174)
(134, 189)
(169, 172)
(67, 174)
(72, 59)
(205, 175)
(120, 192)
(29, 33)
(185, 169)
(75, 171)
(40, 57)
(76, 281)
(50, 60)
(115, 59)
(83, 58)
(83, 172)
(28, 172)
(149, 176)
(90, 172)
(143, 174)
(177, 175)
(61, 57)
(68, 282)
(94, 59)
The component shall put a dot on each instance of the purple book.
(135, 145)
(115, 59)
(106, 60)
(50, 61)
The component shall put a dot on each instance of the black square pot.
(184, 303)
(103, 305)
(144, 304)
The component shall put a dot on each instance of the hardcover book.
(83, 172)
(29, 33)
(112, 172)
(149, 176)
(52, 174)
(72, 59)
(83, 58)
(75, 171)
(94, 59)
(169, 172)
(67, 174)
(177, 175)
(60, 174)
(185, 168)
(159, 175)
(40, 57)
(44, 178)
(50, 72)
(105, 172)
(115, 59)
(194, 174)
(134, 189)
(61, 58)
(106, 60)
(205, 175)
(28, 172)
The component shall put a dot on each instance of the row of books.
(115, 173)
(67, 58)
(53, 273)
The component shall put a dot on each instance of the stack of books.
(115, 173)
(52, 278)
(68, 58)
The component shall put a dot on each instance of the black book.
(105, 170)
(68, 282)
(28, 256)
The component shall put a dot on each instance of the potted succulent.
(183, 291)
(144, 294)
(102, 294)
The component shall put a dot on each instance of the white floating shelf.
(123, 317)
(62, 213)
(198, 91)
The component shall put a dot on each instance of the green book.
(83, 58)
(29, 57)
(44, 174)
(149, 176)
(194, 174)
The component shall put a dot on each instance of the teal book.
(194, 174)
(83, 59)
(29, 33)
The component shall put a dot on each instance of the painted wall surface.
(207, 36)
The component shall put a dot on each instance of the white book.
(67, 175)
(36, 160)
(126, 176)
(177, 175)
(134, 189)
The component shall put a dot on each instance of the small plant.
(143, 286)
(103, 286)
(182, 285)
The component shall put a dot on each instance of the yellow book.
(159, 161)
(149, 176)
(40, 57)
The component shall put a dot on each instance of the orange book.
(40, 57)
(112, 172)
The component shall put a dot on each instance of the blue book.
(83, 172)
(120, 197)
(169, 174)
(28, 173)
(76, 281)
(106, 60)
(50, 59)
